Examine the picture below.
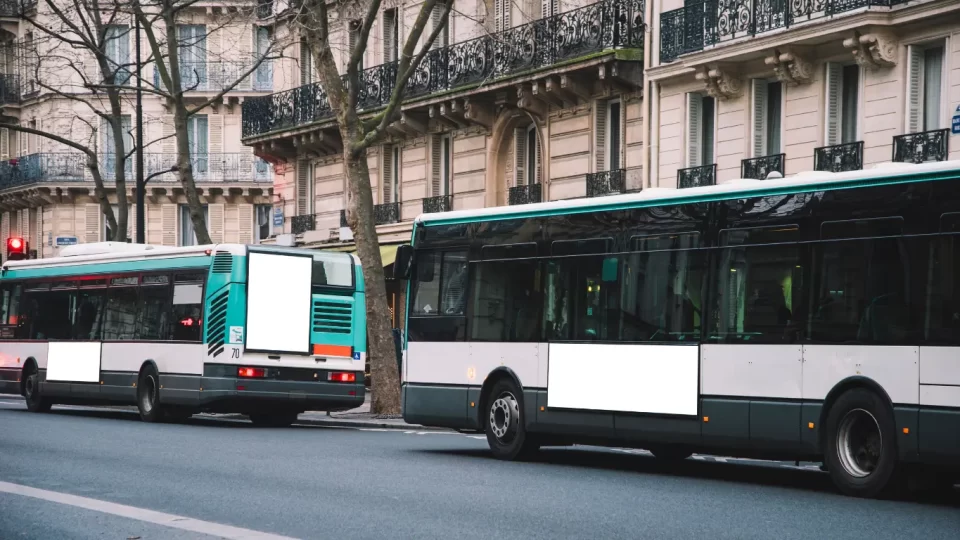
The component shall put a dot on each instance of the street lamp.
(141, 183)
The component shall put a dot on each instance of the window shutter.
(389, 35)
(914, 89)
(303, 178)
(520, 155)
(38, 140)
(168, 225)
(215, 222)
(694, 118)
(25, 223)
(246, 223)
(759, 117)
(436, 157)
(169, 144)
(501, 10)
(539, 171)
(436, 18)
(306, 64)
(600, 136)
(5, 225)
(4, 144)
(91, 223)
(548, 8)
(834, 83)
(387, 168)
(39, 236)
(215, 158)
(132, 222)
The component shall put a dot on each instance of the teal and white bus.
(809, 318)
(268, 332)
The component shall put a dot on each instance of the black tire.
(32, 393)
(274, 419)
(672, 454)
(148, 396)
(861, 444)
(504, 423)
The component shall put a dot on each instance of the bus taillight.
(251, 372)
(344, 376)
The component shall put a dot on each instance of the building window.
(391, 35)
(188, 236)
(304, 188)
(117, 50)
(391, 173)
(532, 155)
(197, 136)
(924, 87)
(263, 227)
(436, 18)
(354, 37)
(442, 162)
(608, 139)
(193, 55)
(264, 74)
(306, 64)
(701, 126)
(843, 103)
(767, 106)
(109, 145)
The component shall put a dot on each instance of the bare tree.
(179, 75)
(314, 21)
(71, 58)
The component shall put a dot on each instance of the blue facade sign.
(66, 240)
(955, 121)
(278, 216)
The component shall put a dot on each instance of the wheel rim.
(859, 443)
(148, 391)
(504, 417)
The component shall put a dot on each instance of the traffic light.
(16, 249)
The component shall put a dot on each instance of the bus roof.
(807, 181)
(114, 252)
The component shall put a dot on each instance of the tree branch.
(356, 55)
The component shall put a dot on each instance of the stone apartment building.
(518, 102)
(750, 88)
(45, 190)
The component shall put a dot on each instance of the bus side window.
(9, 310)
(187, 310)
(155, 311)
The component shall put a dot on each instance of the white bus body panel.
(654, 379)
(13, 354)
(896, 369)
(462, 363)
(178, 358)
(770, 371)
(940, 365)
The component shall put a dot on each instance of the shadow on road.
(757, 473)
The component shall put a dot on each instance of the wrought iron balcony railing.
(386, 213)
(440, 203)
(839, 157)
(264, 9)
(9, 89)
(606, 25)
(532, 193)
(760, 168)
(302, 224)
(697, 176)
(613, 182)
(922, 147)
(702, 24)
(16, 8)
(216, 76)
(72, 167)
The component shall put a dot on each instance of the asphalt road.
(78, 466)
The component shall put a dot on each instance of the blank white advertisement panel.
(73, 362)
(655, 379)
(278, 302)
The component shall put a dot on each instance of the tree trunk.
(380, 348)
(185, 170)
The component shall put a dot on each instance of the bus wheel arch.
(841, 388)
(492, 379)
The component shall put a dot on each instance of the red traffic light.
(16, 249)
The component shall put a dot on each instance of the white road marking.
(141, 514)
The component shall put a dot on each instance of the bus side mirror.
(404, 262)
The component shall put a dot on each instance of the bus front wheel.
(31, 392)
(148, 396)
(861, 447)
(506, 433)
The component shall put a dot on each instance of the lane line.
(141, 514)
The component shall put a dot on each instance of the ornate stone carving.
(790, 66)
(873, 49)
(720, 83)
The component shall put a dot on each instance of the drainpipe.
(650, 95)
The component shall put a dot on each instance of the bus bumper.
(231, 394)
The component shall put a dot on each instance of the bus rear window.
(332, 273)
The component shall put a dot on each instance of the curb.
(335, 422)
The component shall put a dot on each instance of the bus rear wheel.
(506, 433)
(861, 449)
(148, 396)
(274, 419)
(31, 392)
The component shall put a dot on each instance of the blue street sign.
(278, 216)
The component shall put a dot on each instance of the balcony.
(839, 157)
(71, 167)
(613, 182)
(697, 176)
(16, 8)
(922, 147)
(761, 168)
(386, 213)
(605, 26)
(216, 76)
(9, 89)
(440, 203)
(525, 194)
(703, 24)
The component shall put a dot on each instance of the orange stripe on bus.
(333, 350)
